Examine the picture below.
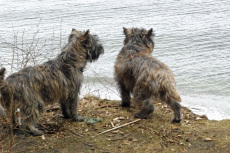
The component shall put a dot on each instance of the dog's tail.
(172, 92)
(168, 84)
(2, 75)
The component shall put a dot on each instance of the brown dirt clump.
(157, 134)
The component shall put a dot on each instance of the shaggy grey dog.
(137, 72)
(58, 80)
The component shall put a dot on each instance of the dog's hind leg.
(146, 109)
(30, 121)
(30, 115)
(35, 131)
(125, 95)
(176, 108)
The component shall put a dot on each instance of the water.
(192, 38)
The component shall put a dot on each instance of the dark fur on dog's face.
(88, 41)
(139, 37)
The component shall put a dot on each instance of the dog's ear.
(86, 34)
(71, 35)
(74, 31)
(127, 31)
(2, 71)
(84, 37)
(150, 33)
(2, 74)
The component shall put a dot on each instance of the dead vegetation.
(194, 134)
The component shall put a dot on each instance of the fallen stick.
(119, 126)
(76, 134)
(52, 109)
(109, 105)
(120, 137)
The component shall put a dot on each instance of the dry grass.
(157, 134)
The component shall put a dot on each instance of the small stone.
(207, 139)
(135, 140)
(198, 118)
(130, 139)
(43, 137)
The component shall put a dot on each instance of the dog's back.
(139, 70)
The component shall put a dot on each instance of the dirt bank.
(157, 134)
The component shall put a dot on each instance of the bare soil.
(156, 134)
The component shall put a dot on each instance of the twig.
(52, 109)
(18, 142)
(119, 127)
(162, 146)
(120, 137)
(77, 134)
(109, 105)
(88, 144)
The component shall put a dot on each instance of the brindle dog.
(138, 73)
(58, 80)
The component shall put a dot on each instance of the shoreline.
(214, 107)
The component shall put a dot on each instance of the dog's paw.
(176, 120)
(37, 132)
(78, 118)
(141, 115)
(125, 104)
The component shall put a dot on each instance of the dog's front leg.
(73, 102)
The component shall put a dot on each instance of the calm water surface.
(192, 38)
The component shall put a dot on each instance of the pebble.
(198, 118)
(207, 139)
(43, 137)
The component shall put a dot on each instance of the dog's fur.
(140, 74)
(58, 80)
